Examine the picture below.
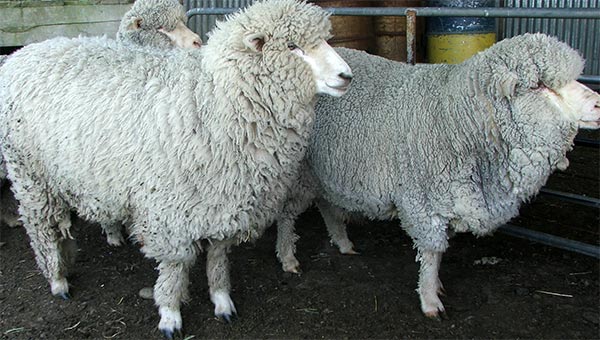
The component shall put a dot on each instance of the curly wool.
(183, 145)
(154, 14)
(445, 145)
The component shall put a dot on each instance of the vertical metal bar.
(411, 41)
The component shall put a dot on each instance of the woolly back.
(150, 15)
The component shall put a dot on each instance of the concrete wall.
(28, 21)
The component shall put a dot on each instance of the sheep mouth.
(341, 88)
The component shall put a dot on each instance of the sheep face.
(157, 23)
(331, 73)
(283, 44)
(577, 102)
(181, 36)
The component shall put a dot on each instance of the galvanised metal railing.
(411, 14)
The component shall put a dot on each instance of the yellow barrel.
(452, 40)
(350, 31)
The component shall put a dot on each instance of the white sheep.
(444, 148)
(158, 23)
(182, 145)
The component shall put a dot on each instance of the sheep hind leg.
(286, 245)
(114, 235)
(334, 218)
(47, 222)
(430, 286)
(296, 204)
(217, 272)
(170, 290)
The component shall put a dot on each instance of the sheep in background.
(157, 23)
(444, 148)
(181, 145)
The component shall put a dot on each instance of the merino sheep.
(182, 145)
(444, 148)
(154, 23)
(158, 23)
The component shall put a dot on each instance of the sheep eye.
(292, 46)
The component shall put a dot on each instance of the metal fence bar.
(587, 141)
(412, 12)
(573, 198)
(571, 13)
(551, 240)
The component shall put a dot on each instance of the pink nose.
(197, 43)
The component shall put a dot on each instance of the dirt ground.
(534, 291)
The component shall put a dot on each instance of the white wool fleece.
(183, 144)
(444, 146)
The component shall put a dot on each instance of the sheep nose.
(347, 78)
(196, 42)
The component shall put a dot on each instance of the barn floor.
(534, 291)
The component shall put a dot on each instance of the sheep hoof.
(292, 269)
(65, 296)
(437, 315)
(60, 287)
(224, 307)
(350, 252)
(170, 322)
(168, 333)
(291, 265)
(228, 318)
(115, 240)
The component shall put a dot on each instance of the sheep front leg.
(217, 271)
(170, 290)
(430, 285)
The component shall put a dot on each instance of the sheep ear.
(134, 24)
(506, 85)
(255, 41)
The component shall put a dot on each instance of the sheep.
(158, 23)
(443, 148)
(182, 146)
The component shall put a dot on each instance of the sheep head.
(285, 41)
(157, 23)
